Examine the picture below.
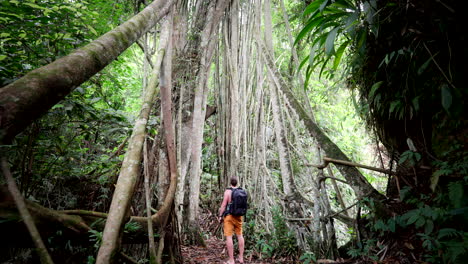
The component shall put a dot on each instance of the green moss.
(96, 58)
(121, 38)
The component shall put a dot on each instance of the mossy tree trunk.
(357, 181)
(131, 166)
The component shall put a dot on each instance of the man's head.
(234, 181)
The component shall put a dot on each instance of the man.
(232, 224)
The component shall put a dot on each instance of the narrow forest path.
(215, 251)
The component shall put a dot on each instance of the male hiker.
(234, 206)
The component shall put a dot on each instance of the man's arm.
(226, 199)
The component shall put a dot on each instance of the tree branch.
(25, 215)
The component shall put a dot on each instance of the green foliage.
(96, 238)
(366, 250)
(308, 258)
(91, 260)
(407, 79)
(78, 140)
(35, 33)
(76, 146)
(131, 227)
(439, 222)
(278, 243)
(257, 238)
(285, 242)
(411, 156)
(331, 24)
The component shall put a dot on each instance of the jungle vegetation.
(122, 121)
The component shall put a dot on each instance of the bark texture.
(209, 38)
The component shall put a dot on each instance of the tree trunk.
(130, 167)
(281, 140)
(148, 195)
(208, 40)
(232, 56)
(166, 107)
(25, 215)
(357, 181)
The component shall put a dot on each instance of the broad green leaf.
(324, 64)
(2, 57)
(351, 20)
(312, 55)
(361, 44)
(404, 156)
(374, 89)
(344, 4)
(312, 7)
(446, 97)
(92, 29)
(339, 53)
(323, 5)
(420, 222)
(330, 42)
(57, 106)
(377, 101)
(413, 219)
(4, 35)
(94, 100)
(424, 66)
(10, 14)
(303, 62)
(69, 8)
(35, 6)
(312, 23)
(429, 227)
(393, 106)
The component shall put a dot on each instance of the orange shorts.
(232, 224)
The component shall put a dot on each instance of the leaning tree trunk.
(25, 214)
(130, 167)
(281, 140)
(26, 99)
(357, 181)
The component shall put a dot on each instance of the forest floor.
(215, 250)
(214, 253)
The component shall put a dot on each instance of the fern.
(448, 233)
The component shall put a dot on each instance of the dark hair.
(234, 181)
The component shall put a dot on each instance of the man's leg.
(240, 240)
(230, 249)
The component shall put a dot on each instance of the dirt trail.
(213, 253)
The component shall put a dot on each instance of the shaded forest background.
(121, 139)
